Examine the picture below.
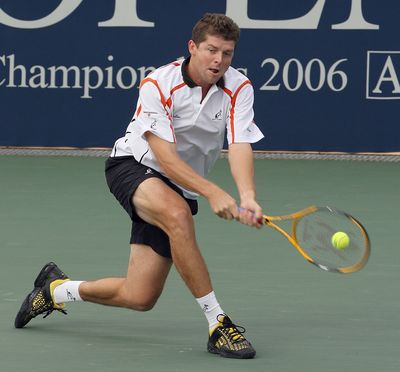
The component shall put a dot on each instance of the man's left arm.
(241, 162)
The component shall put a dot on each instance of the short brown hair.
(217, 25)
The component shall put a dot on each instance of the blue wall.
(326, 72)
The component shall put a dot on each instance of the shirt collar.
(188, 80)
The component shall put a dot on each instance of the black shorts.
(124, 174)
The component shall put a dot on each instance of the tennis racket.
(311, 234)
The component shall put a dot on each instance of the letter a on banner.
(393, 78)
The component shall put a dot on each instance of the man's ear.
(192, 46)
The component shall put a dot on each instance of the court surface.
(298, 317)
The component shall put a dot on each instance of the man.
(157, 170)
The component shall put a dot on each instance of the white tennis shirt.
(170, 106)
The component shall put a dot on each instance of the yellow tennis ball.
(340, 240)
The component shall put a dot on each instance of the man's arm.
(241, 162)
(180, 172)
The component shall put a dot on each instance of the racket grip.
(240, 209)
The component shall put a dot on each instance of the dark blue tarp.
(325, 72)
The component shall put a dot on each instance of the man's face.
(210, 59)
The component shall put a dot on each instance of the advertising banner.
(326, 73)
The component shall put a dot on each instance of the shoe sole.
(233, 355)
(20, 319)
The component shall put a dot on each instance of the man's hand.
(222, 204)
(250, 213)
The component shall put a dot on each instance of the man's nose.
(218, 57)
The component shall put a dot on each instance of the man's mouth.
(215, 71)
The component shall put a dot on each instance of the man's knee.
(142, 304)
(178, 219)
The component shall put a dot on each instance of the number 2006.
(315, 75)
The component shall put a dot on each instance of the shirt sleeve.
(241, 127)
(153, 114)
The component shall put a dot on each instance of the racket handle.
(260, 220)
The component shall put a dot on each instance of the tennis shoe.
(228, 341)
(40, 299)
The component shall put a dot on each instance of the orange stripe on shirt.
(138, 110)
(233, 103)
(149, 80)
(169, 100)
(228, 92)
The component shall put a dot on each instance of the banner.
(326, 73)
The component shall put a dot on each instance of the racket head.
(312, 231)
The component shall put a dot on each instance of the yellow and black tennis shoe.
(228, 341)
(40, 300)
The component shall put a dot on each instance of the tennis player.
(156, 172)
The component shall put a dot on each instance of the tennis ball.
(340, 240)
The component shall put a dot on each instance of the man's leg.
(144, 282)
(159, 205)
(147, 270)
(139, 290)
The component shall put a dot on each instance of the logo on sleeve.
(218, 115)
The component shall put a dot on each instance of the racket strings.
(314, 234)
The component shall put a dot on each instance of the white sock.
(67, 292)
(211, 309)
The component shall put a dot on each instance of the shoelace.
(234, 331)
(235, 334)
(51, 310)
